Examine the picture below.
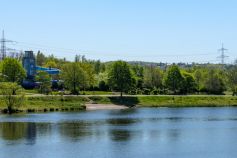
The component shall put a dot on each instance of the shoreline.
(80, 103)
(90, 107)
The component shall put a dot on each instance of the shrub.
(146, 91)
(12, 96)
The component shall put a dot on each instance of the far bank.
(77, 103)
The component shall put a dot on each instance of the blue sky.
(147, 30)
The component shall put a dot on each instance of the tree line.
(131, 78)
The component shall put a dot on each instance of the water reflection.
(18, 131)
(74, 130)
(44, 128)
(31, 132)
(119, 122)
(172, 134)
(127, 133)
(120, 135)
(123, 112)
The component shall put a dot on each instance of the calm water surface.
(138, 133)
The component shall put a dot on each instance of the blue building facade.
(29, 64)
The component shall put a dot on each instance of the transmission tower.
(222, 56)
(3, 42)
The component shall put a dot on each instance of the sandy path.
(104, 107)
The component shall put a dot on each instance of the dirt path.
(104, 107)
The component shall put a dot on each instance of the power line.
(97, 53)
(23, 45)
(4, 49)
(222, 56)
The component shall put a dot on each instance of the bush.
(155, 92)
(103, 86)
(146, 91)
(12, 96)
(139, 91)
(132, 92)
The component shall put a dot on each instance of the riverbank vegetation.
(47, 104)
(168, 101)
(133, 78)
(77, 103)
(93, 77)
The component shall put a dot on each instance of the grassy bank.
(50, 103)
(76, 103)
(170, 101)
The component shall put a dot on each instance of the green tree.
(89, 80)
(198, 77)
(138, 73)
(97, 66)
(74, 77)
(189, 83)
(152, 77)
(77, 58)
(12, 70)
(174, 79)
(40, 58)
(232, 78)
(214, 83)
(51, 64)
(120, 76)
(12, 95)
(44, 82)
(102, 81)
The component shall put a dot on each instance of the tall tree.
(138, 72)
(152, 77)
(189, 85)
(77, 58)
(90, 79)
(40, 58)
(97, 67)
(174, 79)
(102, 81)
(74, 77)
(12, 70)
(120, 76)
(198, 77)
(214, 83)
(232, 78)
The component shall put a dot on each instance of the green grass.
(75, 103)
(187, 101)
(30, 92)
(97, 93)
(51, 103)
(169, 101)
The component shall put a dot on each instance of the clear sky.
(147, 30)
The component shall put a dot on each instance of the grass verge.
(50, 103)
(169, 101)
(76, 103)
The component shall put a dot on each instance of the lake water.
(134, 133)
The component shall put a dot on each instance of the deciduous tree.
(74, 77)
(232, 78)
(174, 79)
(12, 95)
(152, 77)
(120, 76)
(214, 83)
(12, 70)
